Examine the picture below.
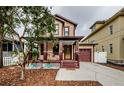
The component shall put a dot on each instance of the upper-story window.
(111, 29)
(66, 31)
(94, 28)
(57, 29)
(103, 49)
(110, 48)
(93, 41)
(7, 46)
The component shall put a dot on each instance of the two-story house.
(65, 51)
(106, 36)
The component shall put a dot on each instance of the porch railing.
(8, 61)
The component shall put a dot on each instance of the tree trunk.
(1, 53)
(23, 69)
(22, 73)
(1, 46)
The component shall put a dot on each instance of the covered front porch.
(65, 52)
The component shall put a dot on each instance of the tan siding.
(121, 38)
(60, 27)
(71, 28)
(104, 39)
(96, 26)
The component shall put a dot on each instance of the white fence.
(8, 61)
(100, 57)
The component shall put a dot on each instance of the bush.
(35, 53)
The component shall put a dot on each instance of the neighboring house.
(9, 46)
(106, 36)
(65, 52)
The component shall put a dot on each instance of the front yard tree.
(29, 22)
(1, 48)
(4, 29)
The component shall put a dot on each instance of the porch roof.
(88, 43)
(70, 37)
(70, 42)
(59, 37)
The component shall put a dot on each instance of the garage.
(85, 55)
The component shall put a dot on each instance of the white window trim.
(57, 31)
(109, 32)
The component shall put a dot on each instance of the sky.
(85, 16)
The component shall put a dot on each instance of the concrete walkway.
(90, 71)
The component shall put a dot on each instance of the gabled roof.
(98, 22)
(63, 18)
(120, 13)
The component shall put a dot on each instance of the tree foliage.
(32, 22)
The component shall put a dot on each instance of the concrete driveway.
(95, 72)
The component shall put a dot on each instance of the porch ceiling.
(70, 42)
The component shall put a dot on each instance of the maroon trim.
(93, 54)
(62, 30)
(45, 50)
(60, 55)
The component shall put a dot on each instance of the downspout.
(93, 53)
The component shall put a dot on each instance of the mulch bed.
(37, 77)
(114, 66)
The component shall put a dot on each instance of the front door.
(67, 52)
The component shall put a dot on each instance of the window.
(42, 48)
(56, 49)
(7, 46)
(66, 31)
(111, 29)
(18, 46)
(93, 41)
(110, 48)
(94, 28)
(87, 41)
(57, 29)
(103, 49)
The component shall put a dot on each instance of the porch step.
(69, 64)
